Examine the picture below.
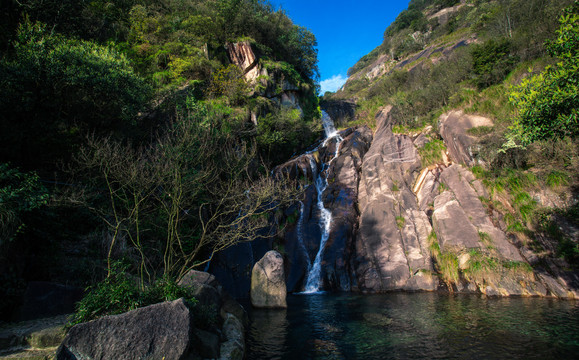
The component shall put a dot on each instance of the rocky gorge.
(399, 226)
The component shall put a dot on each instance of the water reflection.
(417, 326)
(268, 332)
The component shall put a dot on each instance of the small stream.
(415, 326)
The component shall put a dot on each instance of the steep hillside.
(458, 81)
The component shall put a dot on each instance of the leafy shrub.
(492, 61)
(119, 293)
(20, 193)
(282, 133)
(548, 103)
(55, 89)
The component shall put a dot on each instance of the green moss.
(400, 221)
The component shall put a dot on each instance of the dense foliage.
(548, 103)
(20, 193)
(155, 145)
(55, 89)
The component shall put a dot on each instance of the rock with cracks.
(268, 288)
(160, 331)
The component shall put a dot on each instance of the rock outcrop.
(453, 129)
(341, 198)
(169, 330)
(341, 111)
(268, 288)
(271, 83)
(242, 55)
(155, 332)
(391, 247)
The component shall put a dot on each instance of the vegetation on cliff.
(129, 133)
(512, 61)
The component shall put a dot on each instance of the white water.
(321, 183)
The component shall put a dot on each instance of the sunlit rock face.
(268, 289)
(391, 247)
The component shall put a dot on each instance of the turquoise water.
(415, 326)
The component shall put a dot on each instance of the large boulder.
(160, 331)
(268, 288)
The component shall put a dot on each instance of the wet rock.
(341, 199)
(341, 111)
(234, 333)
(554, 287)
(303, 166)
(453, 129)
(207, 343)
(303, 240)
(154, 332)
(268, 288)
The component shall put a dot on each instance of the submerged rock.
(268, 288)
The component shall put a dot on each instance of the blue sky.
(346, 30)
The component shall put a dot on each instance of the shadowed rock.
(453, 129)
(160, 331)
(268, 289)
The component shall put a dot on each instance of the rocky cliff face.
(271, 84)
(399, 226)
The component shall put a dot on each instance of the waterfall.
(301, 235)
(321, 183)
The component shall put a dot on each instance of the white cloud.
(333, 83)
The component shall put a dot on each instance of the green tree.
(20, 193)
(56, 89)
(548, 102)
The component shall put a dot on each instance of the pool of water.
(415, 326)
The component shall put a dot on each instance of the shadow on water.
(415, 326)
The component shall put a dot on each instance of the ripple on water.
(415, 326)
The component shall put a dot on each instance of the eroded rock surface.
(155, 332)
(268, 288)
(391, 247)
(453, 129)
(341, 198)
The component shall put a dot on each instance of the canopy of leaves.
(54, 88)
(548, 103)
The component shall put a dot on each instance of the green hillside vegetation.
(127, 135)
(521, 71)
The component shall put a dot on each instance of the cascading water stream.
(321, 183)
